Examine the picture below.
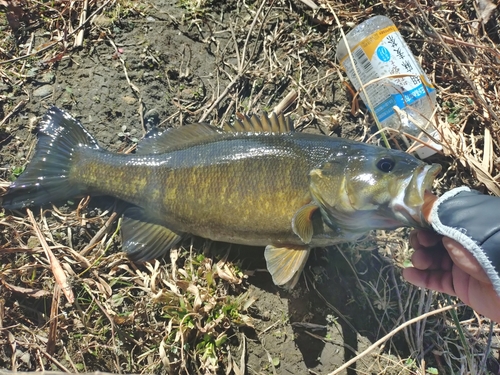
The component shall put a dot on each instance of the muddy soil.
(170, 65)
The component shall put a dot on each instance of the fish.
(254, 182)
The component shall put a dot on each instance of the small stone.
(102, 21)
(33, 242)
(129, 99)
(43, 91)
(47, 77)
(26, 358)
(32, 72)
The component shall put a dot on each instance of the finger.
(414, 242)
(484, 299)
(436, 280)
(425, 260)
(461, 281)
(434, 258)
(428, 238)
(478, 295)
(465, 260)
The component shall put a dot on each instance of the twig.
(57, 270)
(247, 40)
(112, 325)
(83, 19)
(13, 345)
(471, 83)
(390, 334)
(58, 41)
(221, 96)
(100, 233)
(311, 4)
(56, 362)
(446, 38)
(242, 67)
(134, 88)
(7, 372)
(54, 312)
(286, 102)
(18, 106)
(2, 312)
(30, 48)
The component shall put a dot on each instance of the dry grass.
(184, 316)
(178, 317)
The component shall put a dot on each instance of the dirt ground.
(173, 61)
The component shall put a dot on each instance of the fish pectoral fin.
(302, 224)
(285, 264)
(272, 123)
(142, 238)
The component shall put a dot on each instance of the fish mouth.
(407, 206)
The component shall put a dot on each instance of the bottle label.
(385, 54)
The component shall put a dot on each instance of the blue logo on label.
(383, 54)
(384, 110)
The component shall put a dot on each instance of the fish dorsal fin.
(302, 223)
(276, 124)
(285, 263)
(142, 238)
(175, 139)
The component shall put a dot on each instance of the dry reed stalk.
(57, 271)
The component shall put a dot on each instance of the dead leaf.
(311, 4)
(197, 298)
(16, 15)
(485, 177)
(225, 273)
(486, 8)
(35, 293)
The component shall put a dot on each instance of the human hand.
(442, 264)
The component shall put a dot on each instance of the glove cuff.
(449, 218)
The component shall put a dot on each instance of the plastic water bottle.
(380, 53)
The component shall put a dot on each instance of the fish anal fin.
(302, 224)
(285, 263)
(175, 139)
(265, 123)
(144, 239)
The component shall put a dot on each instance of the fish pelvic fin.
(275, 124)
(143, 238)
(285, 263)
(47, 177)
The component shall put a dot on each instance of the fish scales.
(256, 182)
(202, 195)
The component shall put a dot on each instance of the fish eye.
(386, 164)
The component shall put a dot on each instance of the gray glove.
(473, 220)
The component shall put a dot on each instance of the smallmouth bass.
(254, 182)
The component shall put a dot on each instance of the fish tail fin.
(48, 176)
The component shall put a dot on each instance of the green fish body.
(256, 182)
